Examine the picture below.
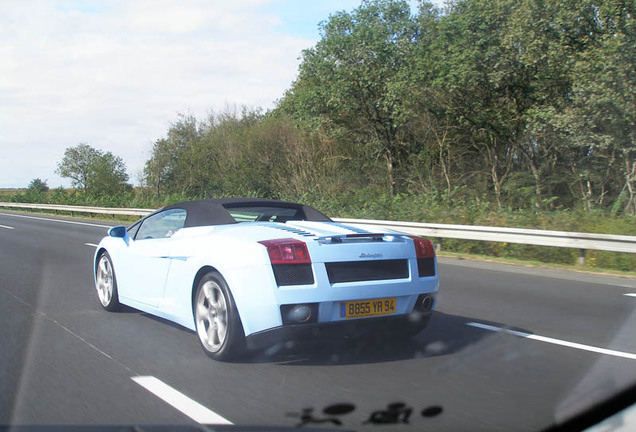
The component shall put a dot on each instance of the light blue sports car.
(243, 273)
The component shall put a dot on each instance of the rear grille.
(359, 271)
(293, 274)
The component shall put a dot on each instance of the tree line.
(521, 104)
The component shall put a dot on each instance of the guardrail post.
(438, 246)
(581, 259)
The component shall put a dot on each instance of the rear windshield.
(266, 214)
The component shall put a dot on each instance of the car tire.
(106, 283)
(216, 318)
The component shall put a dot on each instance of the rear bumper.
(259, 299)
(395, 325)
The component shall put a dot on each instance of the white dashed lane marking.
(181, 402)
(630, 294)
(6, 227)
(91, 244)
(555, 341)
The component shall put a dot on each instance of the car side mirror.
(118, 231)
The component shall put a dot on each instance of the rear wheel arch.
(195, 284)
(216, 318)
(101, 251)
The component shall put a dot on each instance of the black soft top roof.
(214, 211)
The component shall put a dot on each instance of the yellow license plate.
(367, 308)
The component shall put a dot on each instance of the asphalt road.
(570, 339)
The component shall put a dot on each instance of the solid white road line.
(187, 406)
(7, 227)
(56, 220)
(555, 341)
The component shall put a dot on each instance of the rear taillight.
(287, 251)
(290, 260)
(423, 247)
(425, 253)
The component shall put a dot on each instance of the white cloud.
(115, 74)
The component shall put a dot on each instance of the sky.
(115, 74)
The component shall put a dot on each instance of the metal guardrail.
(581, 241)
(566, 239)
(605, 242)
(79, 209)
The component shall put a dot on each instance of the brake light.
(423, 247)
(287, 251)
(366, 235)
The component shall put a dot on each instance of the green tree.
(216, 156)
(352, 81)
(77, 164)
(600, 119)
(583, 128)
(38, 186)
(36, 192)
(486, 90)
(96, 172)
